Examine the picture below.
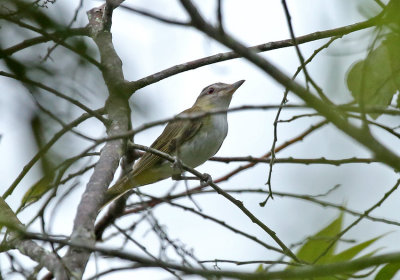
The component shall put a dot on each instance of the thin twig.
(283, 102)
(156, 17)
(305, 161)
(167, 200)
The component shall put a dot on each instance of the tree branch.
(156, 17)
(179, 68)
(303, 272)
(43, 39)
(305, 161)
(118, 111)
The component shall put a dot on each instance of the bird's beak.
(233, 87)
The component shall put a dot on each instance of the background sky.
(147, 46)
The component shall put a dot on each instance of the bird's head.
(217, 96)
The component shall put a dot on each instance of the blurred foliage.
(375, 80)
(7, 215)
(30, 20)
(36, 191)
(388, 271)
(318, 243)
(318, 250)
(7, 219)
(35, 52)
(47, 160)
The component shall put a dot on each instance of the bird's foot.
(205, 180)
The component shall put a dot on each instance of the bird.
(191, 140)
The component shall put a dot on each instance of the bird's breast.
(206, 142)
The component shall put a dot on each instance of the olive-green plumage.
(192, 141)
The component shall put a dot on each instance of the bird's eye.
(210, 90)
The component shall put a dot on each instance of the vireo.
(192, 141)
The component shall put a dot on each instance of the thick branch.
(118, 112)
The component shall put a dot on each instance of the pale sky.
(147, 46)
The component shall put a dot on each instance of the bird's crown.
(213, 88)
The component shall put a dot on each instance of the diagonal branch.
(331, 113)
(239, 204)
(106, 220)
(179, 68)
(52, 37)
(43, 39)
(156, 17)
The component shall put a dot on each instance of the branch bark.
(118, 111)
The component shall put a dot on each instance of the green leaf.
(37, 191)
(7, 215)
(46, 183)
(351, 252)
(376, 79)
(8, 219)
(318, 243)
(388, 271)
(260, 269)
(38, 124)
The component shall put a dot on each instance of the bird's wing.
(177, 133)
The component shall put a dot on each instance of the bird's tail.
(118, 189)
